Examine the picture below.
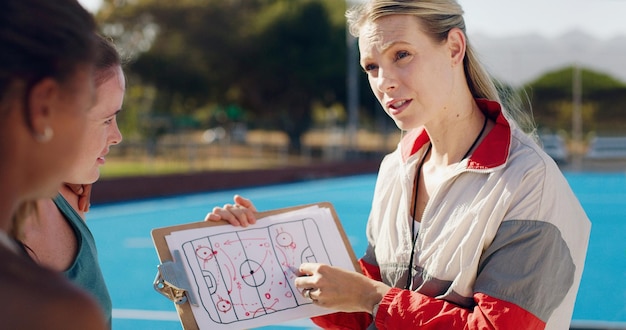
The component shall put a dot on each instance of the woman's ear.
(41, 101)
(456, 44)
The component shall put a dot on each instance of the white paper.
(244, 277)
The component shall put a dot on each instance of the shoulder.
(58, 303)
(527, 158)
(538, 185)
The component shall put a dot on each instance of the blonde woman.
(472, 225)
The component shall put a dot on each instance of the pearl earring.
(46, 136)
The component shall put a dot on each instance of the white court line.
(148, 315)
(600, 325)
(139, 314)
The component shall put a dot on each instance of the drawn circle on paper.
(284, 239)
(223, 305)
(205, 253)
(252, 273)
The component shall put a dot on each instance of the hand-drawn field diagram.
(250, 273)
(241, 278)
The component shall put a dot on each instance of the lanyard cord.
(409, 278)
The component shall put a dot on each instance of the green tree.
(272, 58)
(297, 58)
(603, 100)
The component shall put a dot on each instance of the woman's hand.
(239, 214)
(83, 192)
(339, 289)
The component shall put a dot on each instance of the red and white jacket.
(501, 244)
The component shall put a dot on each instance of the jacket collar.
(492, 152)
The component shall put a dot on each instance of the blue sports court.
(129, 260)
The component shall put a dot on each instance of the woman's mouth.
(396, 107)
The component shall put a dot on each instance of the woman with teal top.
(58, 236)
(47, 56)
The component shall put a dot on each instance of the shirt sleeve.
(350, 321)
(409, 309)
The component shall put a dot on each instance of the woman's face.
(68, 113)
(102, 130)
(410, 74)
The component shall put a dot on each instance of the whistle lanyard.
(409, 278)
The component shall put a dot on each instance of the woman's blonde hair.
(437, 18)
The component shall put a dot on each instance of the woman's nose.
(385, 81)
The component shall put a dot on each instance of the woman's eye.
(369, 67)
(402, 54)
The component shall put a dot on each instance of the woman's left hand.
(339, 289)
(83, 191)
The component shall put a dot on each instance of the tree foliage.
(603, 100)
(274, 59)
(202, 63)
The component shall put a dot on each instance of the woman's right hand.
(239, 214)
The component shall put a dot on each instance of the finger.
(245, 203)
(76, 188)
(306, 293)
(314, 295)
(305, 278)
(87, 189)
(223, 213)
(212, 217)
(248, 208)
(243, 215)
(307, 268)
(84, 202)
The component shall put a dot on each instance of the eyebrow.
(384, 48)
(114, 114)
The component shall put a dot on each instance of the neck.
(453, 137)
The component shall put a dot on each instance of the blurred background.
(248, 84)
(258, 94)
(228, 94)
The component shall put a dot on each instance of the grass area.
(121, 168)
(262, 150)
(124, 167)
(187, 153)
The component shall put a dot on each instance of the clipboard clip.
(171, 281)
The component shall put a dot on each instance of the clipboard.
(171, 279)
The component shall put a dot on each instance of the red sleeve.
(402, 308)
(350, 321)
(407, 309)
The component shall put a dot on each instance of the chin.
(402, 125)
(406, 125)
(87, 179)
(94, 178)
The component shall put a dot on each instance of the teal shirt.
(85, 270)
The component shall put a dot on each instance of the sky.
(550, 18)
